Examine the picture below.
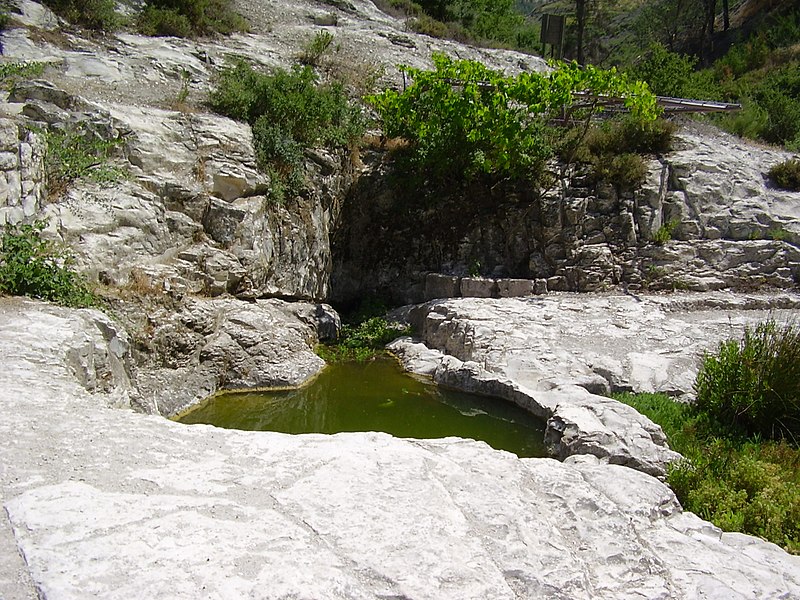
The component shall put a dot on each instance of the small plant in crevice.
(786, 175)
(79, 154)
(315, 49)
(39, 268)
(664, 233)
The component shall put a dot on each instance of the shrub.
(99, 15)
(739, 485)
(34, 267)
(289, 112)
(159, 22)
(188, 18)
(626, 171)
(314, 50)
(667, 73)
(362, 341)
(753, 386)
(787, 174)
(464, 120)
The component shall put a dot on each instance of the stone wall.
(707, 218)
(21, 172)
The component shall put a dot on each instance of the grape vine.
(464, 119)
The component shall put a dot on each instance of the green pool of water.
(376, 396)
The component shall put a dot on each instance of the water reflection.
(376, 396)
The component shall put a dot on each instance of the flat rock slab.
(107, 503)
(560, 355)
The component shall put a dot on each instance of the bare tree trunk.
(725, 15)
(580, 9)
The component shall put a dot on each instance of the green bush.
(34, 267)
(289, 112)
(100, 15)
(464, 120)
(751, 486)
(189, 18)
(753, 385)
(159, 22)
(787, 174)
(667, 73)
(362, 341)
(316, 48)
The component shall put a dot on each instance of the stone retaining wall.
(21, 172)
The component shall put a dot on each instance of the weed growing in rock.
(75, 154)
(38, 268)
(664, 233)
(753, 385)
(316, 48)
(289, 112)
(739, 484)
(786, 175)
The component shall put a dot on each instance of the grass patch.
(38, 268)
(14, 72)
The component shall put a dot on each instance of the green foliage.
(361, 341)
(32, 266)
(75, 154)
(746, 485)
(99, 15)
(664, 233)
(289, 111)
(614, 148)
(316, 48)
(753, 385)
(667, 73)
(13, 72)
(787, 174)
(189, 18)
(464, 119)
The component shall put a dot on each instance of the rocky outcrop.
(560, 355)
(187, 348)
(707, 218)
(194, 214)
(114, 504)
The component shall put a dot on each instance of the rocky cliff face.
(729, 228)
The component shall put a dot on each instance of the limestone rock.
(118, 505)
(189, 348)
(559, 356)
